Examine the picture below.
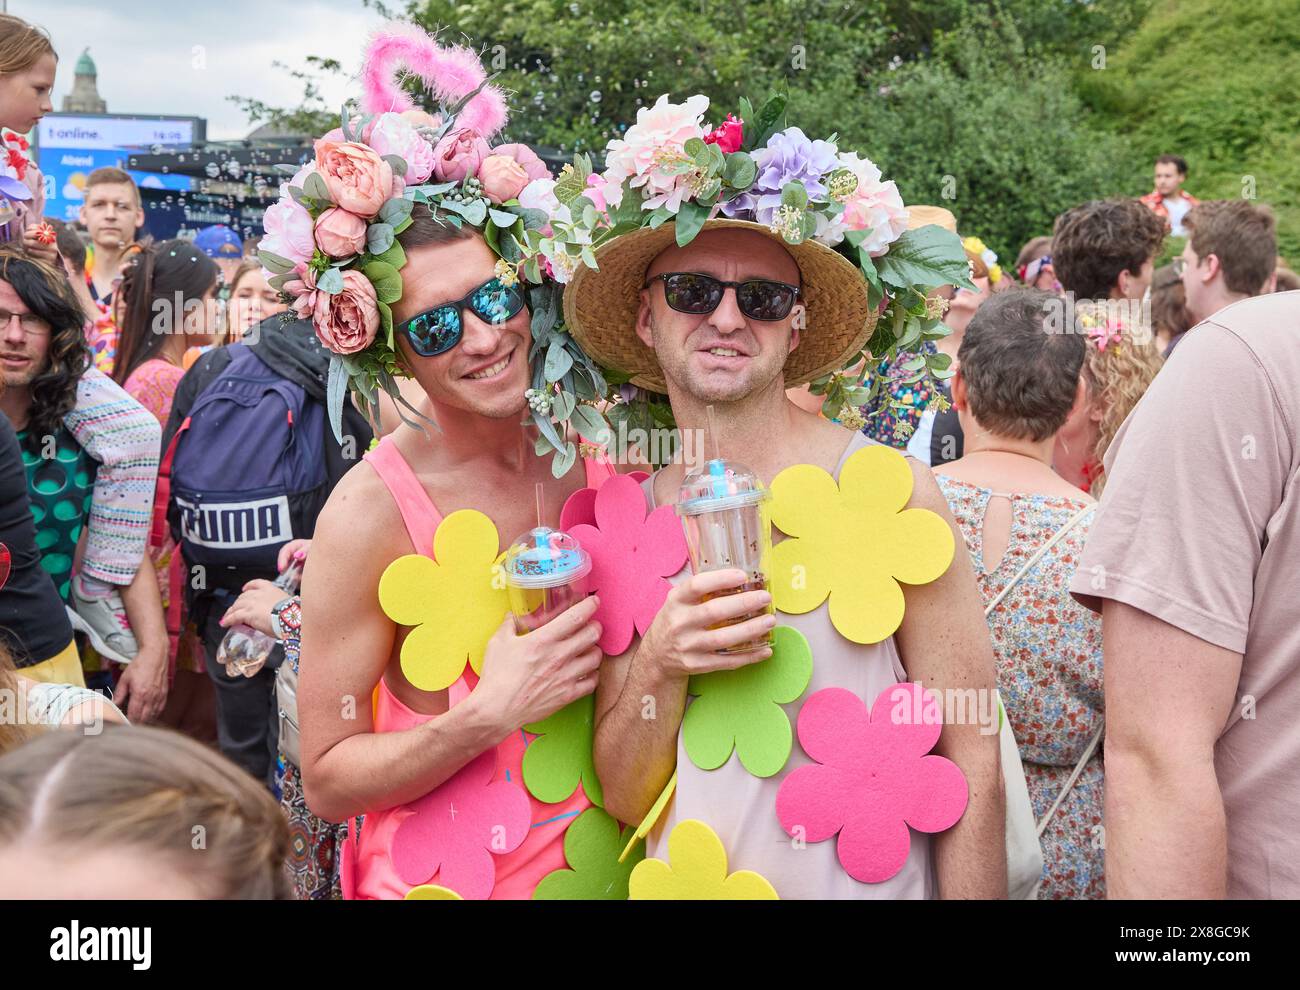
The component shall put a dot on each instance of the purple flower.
(788, 157)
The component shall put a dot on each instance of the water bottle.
(244, 649)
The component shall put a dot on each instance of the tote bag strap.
(1029, 565)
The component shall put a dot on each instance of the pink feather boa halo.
(448, 71)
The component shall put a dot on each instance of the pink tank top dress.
(367, 870)
(741, 808)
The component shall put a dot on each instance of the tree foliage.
(1005, 111)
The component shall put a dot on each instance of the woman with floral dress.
(1016, 385)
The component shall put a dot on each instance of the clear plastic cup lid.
(720, 485)
(545, 558)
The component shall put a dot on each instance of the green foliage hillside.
(1215, 83)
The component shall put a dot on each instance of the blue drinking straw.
(718, 475)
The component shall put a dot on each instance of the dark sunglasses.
(697, 294)
(438, 330)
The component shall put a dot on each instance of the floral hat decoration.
(864, 274)
(331, 245)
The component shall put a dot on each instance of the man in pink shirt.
(1193, 564)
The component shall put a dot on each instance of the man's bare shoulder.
(926, 493)
(827, 442)
(361, 516)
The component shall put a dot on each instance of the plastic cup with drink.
(724, 512)
(545, 572)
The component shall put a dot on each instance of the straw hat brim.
(600, 306)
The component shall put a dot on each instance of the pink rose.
(391, 134)
(595, 192)
(288, 229)
(340, 234)
(303, 289)
(459, 154)
(357, 178)
(347, 321)
(503, 178)
(525, 156)
(728, 136)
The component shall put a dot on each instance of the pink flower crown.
(331, 241)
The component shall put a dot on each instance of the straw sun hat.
(600, 306)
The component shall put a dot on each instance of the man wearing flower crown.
(392, 717)
(724, 313)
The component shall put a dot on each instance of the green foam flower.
(741, 709)
(561, 756)
(592, 845)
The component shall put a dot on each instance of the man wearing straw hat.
(730, 321)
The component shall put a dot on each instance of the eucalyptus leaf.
(274, 263)
(558, 361)
(331, 281)
(547, 429)
(286, 169)
(502, 218)
(395, 209)
(397, 164)
(740, 170)
(314, 186)
(564, 460)
(335, 389)
(562, 406)
(589, 424)
(476, 212)
(794, 194)
(379, 238)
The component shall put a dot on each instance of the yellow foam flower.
(696, 871)
(854, 542)
(431, 892)
(454, 601)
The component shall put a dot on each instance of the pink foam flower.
(872, 780)
(457, 827)
(632, 556)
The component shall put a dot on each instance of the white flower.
(655, 143)
(540, 195)
(876, 206)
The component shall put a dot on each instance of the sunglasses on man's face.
(699, 294)
(438, 330)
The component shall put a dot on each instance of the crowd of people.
(1116, 451)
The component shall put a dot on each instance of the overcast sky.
(145, 51)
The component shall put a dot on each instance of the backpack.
(246, 472)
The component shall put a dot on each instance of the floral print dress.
(1049, 663)
(895, 412)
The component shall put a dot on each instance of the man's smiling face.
(725, 355)
(487, 371)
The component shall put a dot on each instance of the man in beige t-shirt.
(1195, 562)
